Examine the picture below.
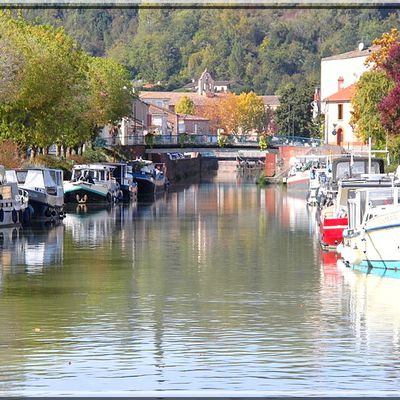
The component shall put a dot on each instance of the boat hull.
(389, 269)
(149, 187)
(375, 246)
(331, 228)
(82, 195)
(298, 182)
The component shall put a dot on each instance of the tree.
(294, 116)
(384, 43)
(53, 91)
(185, 106)
(251, 113)
(372, 87)
(49, 77)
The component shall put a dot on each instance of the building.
(206, 83)
(339, 74)
(338, 114)
(127, 131)
(166, 122)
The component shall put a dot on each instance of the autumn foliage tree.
(390, 106)
(378, 57)
(237, 114)
(185, 106)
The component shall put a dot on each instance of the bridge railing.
(187, 140)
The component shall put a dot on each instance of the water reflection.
(210, 287)
(31, 248)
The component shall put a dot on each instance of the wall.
(348, 139)
(350, 69)
(186, 168)
(203, 127)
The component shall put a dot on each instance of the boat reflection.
(90, 226)
(31, 248)
(375, 305)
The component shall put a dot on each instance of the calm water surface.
(217, 286)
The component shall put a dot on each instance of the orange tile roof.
(345, 94)
(174, 97)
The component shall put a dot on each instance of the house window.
(340, 111)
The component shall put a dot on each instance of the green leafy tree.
(251, 113)
(372, 87)
(294, 116)
(185, 106)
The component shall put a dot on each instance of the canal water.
(216, 287)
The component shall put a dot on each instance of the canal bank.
(190, 168)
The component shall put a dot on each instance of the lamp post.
(334, 130)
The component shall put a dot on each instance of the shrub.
(93, 156)
(10, 154)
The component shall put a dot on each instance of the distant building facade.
(130, 127)
(339, 74)
(207, 85)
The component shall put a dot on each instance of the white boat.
(318, 178)
(301, 174)
(13, 202)
(373, 237)
(45, 189)
(92, 183)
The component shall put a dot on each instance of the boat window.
(34, 178)
(11, 176)
(358, 168)
(21, 176)
(55, 176)
(380, 198)
(6, 192)
(343, 170)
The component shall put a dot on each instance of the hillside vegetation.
(261, 50)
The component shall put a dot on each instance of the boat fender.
(26, 218)
(48, 212)
(14, 216)
(20, 216)
(1, 215)
(108, 197)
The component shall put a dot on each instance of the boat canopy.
(40, 178)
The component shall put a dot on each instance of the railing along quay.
(188, 140)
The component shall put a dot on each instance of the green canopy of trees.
(52, 91)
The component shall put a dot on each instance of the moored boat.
(150, 178)
(92, 183)
(347, 173)
(44, 187)
(373, 238)
(13, 203)
(123, 175)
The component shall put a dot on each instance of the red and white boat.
(347, 173)
(332, 224)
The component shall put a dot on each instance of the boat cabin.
(41, 179)
(363, 202)
(354, 167)
(93, 173)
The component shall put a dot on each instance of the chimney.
(340, 83)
